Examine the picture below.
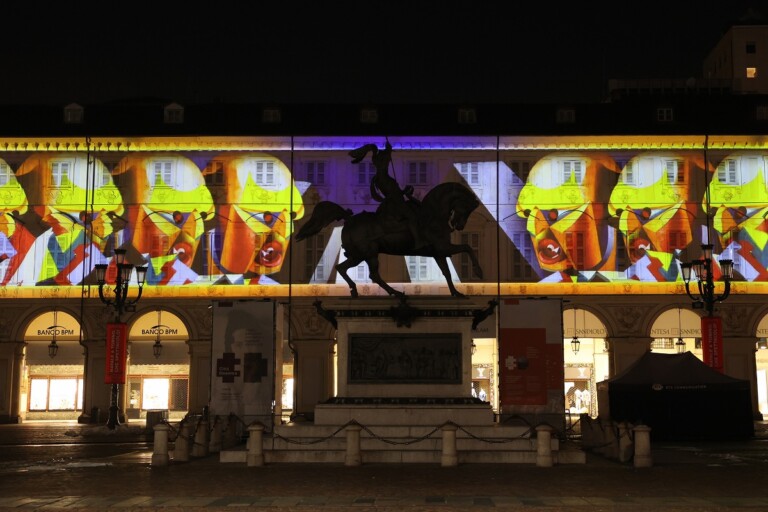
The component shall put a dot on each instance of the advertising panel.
(242, 377)
(531, 356)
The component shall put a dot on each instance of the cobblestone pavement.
(684, 477)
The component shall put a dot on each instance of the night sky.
(344, 51)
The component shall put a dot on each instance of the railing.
(205, 436)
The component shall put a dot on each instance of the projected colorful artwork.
(203, 218)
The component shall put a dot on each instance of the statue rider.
(384, 184)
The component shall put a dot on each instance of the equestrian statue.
(401, 225)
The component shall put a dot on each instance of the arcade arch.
(157, 382)
(51, 384)
(586, 366)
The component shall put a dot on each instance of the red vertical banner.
(712, 342)
(114, 372)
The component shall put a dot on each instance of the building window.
(465, 262)
(728, 172)
(751, 72)
(628, 175)
(662, 344)
(315, 269)
(520, 171)
(263, 173)
(418, 268)
(271, 115)
(365, 173)
(674, 171)
(60, 173)
(5, 174)
(665, 114)
(470, 171)
(467, 116)
(369, 115)
(574, 242)
(162, 173)
(751, 47)
(761, 112)
(360, 273)
(173, 114)
(572, 169)
(315, 172)
(73, 114)
(215, 176)
(521, 268)
(566, 116)
(417, 173)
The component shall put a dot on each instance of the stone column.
(313, 375)
(11, 359)
(96, 394)
(740, 363)
(199, 373)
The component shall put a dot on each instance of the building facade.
(601, 222)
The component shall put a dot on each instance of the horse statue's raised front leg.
(448, 250)
(442, 264)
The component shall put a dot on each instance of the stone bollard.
(352, 457)
(181, 446)
(160, 446)
(200, 446)
(215, 444)
(544, 446)
(625, 442)
(643, 446)
(450, 457)
(255, 444)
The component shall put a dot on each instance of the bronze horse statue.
(365, 235)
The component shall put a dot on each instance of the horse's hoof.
(353, 293)
(459, 295)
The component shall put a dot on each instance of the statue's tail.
(359, 153)
(324, 213)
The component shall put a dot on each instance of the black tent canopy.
(680, 398)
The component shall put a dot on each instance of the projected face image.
(15, 239)
(652, 204)
(77, 201)
(167, 203)
(739, 200)
(254, 218)
(561, 203)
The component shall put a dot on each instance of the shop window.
(55, 394)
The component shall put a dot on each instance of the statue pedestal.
(404, 363)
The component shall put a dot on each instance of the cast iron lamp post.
(705, 280)
(119, 302)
